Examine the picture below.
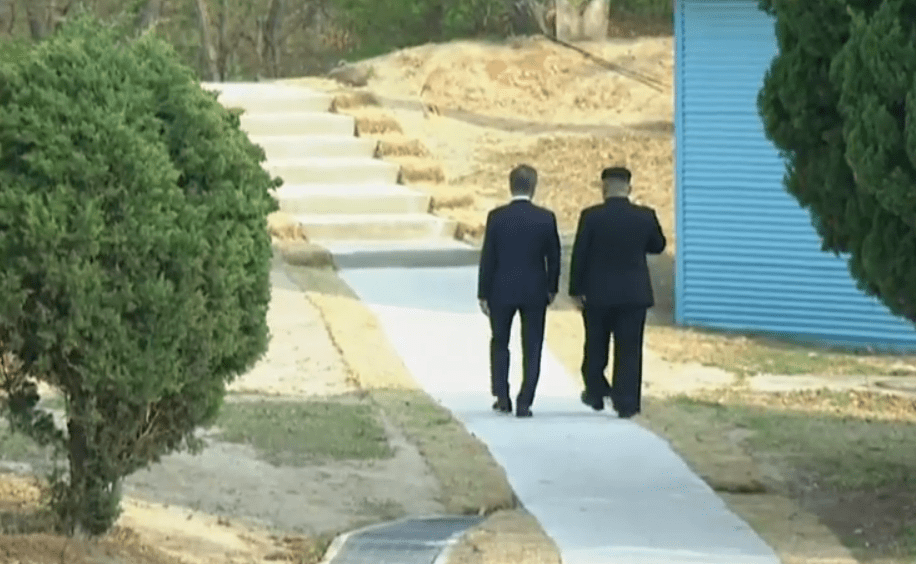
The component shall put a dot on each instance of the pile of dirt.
(569, 169)
(533, 78)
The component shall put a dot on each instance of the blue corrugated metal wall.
(748, 258)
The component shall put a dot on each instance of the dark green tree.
(135, 255)
(834, 102)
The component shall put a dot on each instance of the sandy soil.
(532, 78)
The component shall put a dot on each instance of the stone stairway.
(346, 200)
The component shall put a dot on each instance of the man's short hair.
(616, 173)
(523, 179)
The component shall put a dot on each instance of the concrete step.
(296, 146)
(355, 199)
(298, 123)
(392, 227)
(324, 170)
(256, 97)
(422, 253)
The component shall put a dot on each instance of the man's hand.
(484, 307)
(579, 301)
(551, 298)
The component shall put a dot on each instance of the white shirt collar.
(521, 197)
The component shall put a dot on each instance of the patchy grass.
(471, 480)
(296, 433)
(751, 356)
(306, 550)
(846, 457)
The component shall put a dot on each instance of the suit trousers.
(533, 318)
(603, 384)
(626, 324)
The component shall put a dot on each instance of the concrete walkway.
(606, 490)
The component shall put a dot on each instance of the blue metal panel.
(748, 258)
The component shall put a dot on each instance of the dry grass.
(569, 169)
(284, 227)
(471, 480)
(750, 356)
(507, 537)
(21, 502)
(452, 202)
(400, 146)
(353, 99)
(845, 456)
(419, 170)
(372, 122)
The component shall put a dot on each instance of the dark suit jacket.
(520, 259)
(608, 265)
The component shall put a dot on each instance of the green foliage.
(13, 49)
(654, 9)
(836, 103)
(136, 256)
(386, 25)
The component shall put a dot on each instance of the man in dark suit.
(610, 282)
(519, 272)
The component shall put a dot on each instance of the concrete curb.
(408, 258)
(312, 255)
(340, 540)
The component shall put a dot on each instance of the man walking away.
(519, 272)
(610, 281)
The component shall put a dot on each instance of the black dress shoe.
(627, 414)
(597, 405)
(503, 405)
(523, 412)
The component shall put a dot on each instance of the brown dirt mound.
(533, 78)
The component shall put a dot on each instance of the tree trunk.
(586, 22)
(37, 28)
(532, 16)
(273, 36)
(223, 48)
(206, 39)
(8, 15)
(90, 504)
(149, 16)
(259, 47)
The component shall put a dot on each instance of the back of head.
(615, 182)
(522, 180)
